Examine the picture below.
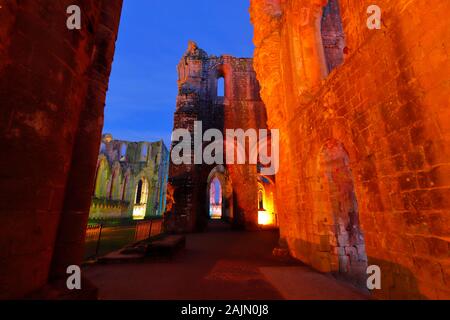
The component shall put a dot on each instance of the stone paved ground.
(219, 264)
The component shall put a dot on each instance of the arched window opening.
(219, 196)
(139, 192)
(221, 87)
(266, 209)
(260, 200)
(144, 152)
(101, 180)
(265, 217)
(333, 37)
(215, 199)
(140, 203)
(123, 152)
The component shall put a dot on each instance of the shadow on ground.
(219, 264)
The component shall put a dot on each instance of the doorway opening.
(215, 199)
(219, 195)
(140, 204)
(267, 215)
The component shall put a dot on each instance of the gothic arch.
(103, 177)
(332, 35)
(218, 71)
(267, 214)
(221, 174)
(141, 198)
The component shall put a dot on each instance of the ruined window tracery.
(333, 37)
(123, 152)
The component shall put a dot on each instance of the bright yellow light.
(265, 218)
(215, 211)
(139, 212)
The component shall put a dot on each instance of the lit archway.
(103, 175)
(123, 152)
(215, 199)
(219, 194)
(141, 199)
(266, 204)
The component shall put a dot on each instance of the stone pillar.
(69, 247)
(44, 87)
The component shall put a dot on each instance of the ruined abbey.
(364, 123)
(364, 146)
(240, 107)
(130, 180)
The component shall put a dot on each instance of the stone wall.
(241, 107)
(121, 166)
(53, 83)
(107, 209)
(386, 108)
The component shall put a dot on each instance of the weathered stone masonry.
(363, 116)
(379, 120)
(130, 180)
(52, 91)
(241, 107)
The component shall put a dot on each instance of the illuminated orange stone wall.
(387, 107)
(240, 108)
(53, 85)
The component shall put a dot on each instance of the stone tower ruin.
(240, 107)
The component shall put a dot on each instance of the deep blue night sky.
(152, 38)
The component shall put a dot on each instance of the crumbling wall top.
(194, 51)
